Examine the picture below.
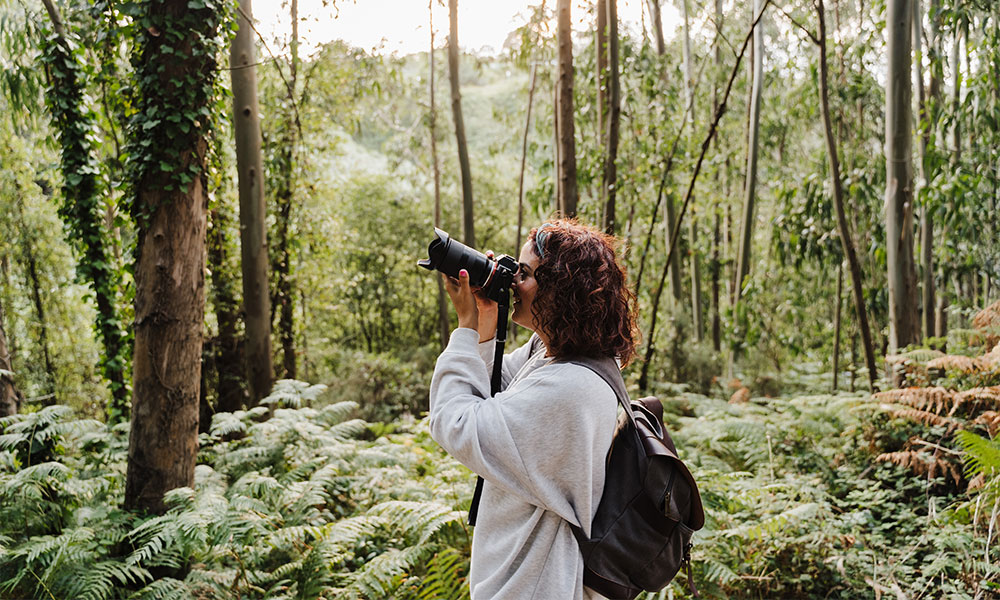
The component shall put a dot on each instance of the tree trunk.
(671, 210)
(442, 303)
(750, 191)
(285, 200)
(926, 218)
(904, 328)
(610, 181)
(81, 210)
(468, 230)
(837, 323)
(34, 282)
(10, 397)
(693, 256)
(230, 390)
(846, 237)
(253, 240)
(169, 206)
(601, 55)
(567, 199)
(716, 264)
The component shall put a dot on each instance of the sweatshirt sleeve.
(512, 362)
(544, 439)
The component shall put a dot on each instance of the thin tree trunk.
(671, 211)
(610, 182)
(442, 303)
(601, 52)
(566, 129)
(170, 251)
(716, 264)
(230, 390)
(846, 237)
(468, 229)
(10, 397)
(253, 237)
(750, 190)
(837, 323)
(35, 284)
(524, 158)
(926, 219)
(285, 200)
(904, 327)
(693, 257)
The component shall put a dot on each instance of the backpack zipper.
(666, 496)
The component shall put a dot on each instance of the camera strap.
(503, 305)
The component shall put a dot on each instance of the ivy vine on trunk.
(82, 207)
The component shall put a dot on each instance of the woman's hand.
(474, 310)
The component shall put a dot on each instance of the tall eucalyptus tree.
(468, 224)
(175, 70)
(565, 129)
(253, 215)
(904, 328)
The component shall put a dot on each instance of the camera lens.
(451, 256)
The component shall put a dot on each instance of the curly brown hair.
(583, 302)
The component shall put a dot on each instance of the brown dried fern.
(927, 418)
(934, 399)
(989, 317)
(989, 419)
(977, 399)
(952, 362)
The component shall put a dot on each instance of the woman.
(541, 443)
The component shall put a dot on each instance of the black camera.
(493, 275)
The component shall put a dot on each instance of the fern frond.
(719, 572)
(332, 414)
(446, 577)
(99, 581)
(932, 399)
(979, 398)
(951, 362)
(991, 420)
(289, 392)
(982, 456)
(922, 416)
(380, 576)
(418, 520)
(988, 318)
(772, 525)
(347, 430)
(165, 588)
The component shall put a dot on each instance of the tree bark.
(10, 397)
(846, 237)
(285, 200)
(568, 196)
(170, 206)
(716, 264)
(750, 191)
(693, 257)
(468, 229)
(442, 304)
(34, 282)
(610, 181)
(671, 211)
(601, 55)
(837, 323)
(904, 328)
(253, 236)
(926, 217)
(230, 388)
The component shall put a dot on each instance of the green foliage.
(295, 506)
(83, 207)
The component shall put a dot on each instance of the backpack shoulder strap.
(607, 369)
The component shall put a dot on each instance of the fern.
(292, 393)
(446, 577)
(419, 521)
(381, 575)
(982, 456)
(165, 588)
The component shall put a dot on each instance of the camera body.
(494, 275)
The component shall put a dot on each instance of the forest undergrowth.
(811, 495)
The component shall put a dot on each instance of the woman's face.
(525, 287)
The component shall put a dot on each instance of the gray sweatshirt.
(540, 445)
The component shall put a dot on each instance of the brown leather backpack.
(640, 536)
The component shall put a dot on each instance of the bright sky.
(401, 25)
